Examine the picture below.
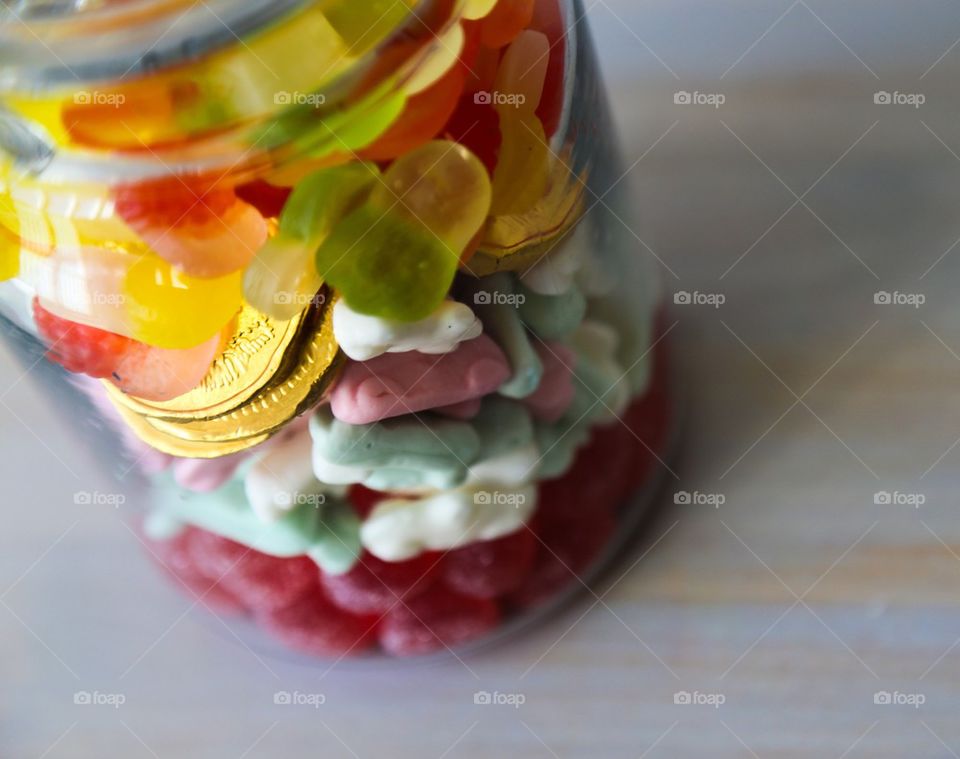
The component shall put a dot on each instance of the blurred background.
(806, 598)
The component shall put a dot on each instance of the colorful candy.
(198, 225)
(395, 256)
(364, 337)
(404, 383)
(282, 279)
(357, 280)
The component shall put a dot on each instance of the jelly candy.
(568, 549)
(282, 279)
(475, 124)
(497, 309)
(281, 478)
(364, 499)
(464, 410)
(550, 401)
(138, 369)
(261, 582)
(267, 198)
(394, 455)
(374, 586)
(435, 620)
(196, 224)
(396, 255)
(475, 9)
(424, 115)
(395, 384)
(328, 535)
(362, 25)
(548, 17)
(314, 626)
(171, 309)
(490, 568)
(522, 73)
(508, 453)
(551, 317)
(79, 348)
(176, 557)
(364, 337)
(522, 172)
(507, 19)
(400, 528)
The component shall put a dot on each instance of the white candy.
(513, 468)
(554, 273)
(282, 478)
(399, 529)
(364, 337)
(596, 344)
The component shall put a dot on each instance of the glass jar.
(351, 284)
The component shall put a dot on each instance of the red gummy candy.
(268, 199)
(423, 117)
(173, 201)
(262, 582)
(364, 499)
(476, 126)
(548, 19)
(490, 568)
(374, 586)
(175, 557)
(507, 19)
(436, 620)
(315, 626)
(568, 548)
(81, 348)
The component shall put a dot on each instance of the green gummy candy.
(336, 543)
(320, 199)
(227, 512)
(387, 266)
(494, 300)
(401, 443)
(503, 425)
(551, 317)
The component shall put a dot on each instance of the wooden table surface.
(794, 602)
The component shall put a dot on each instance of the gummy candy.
(553, 396)
(364, 337)
(196, 224)
(396, 255)
(267, 198)
(396, 454)
(136, 368)
(548, 19)
(401, 528)
(374, 586)
(522, 172)
(522, 73)
(404, 383)
(490, 568)
(176, 557)
(507, 19)
(314, 626)
(476, 126)
(282, 278)
(498, 311)
(261, 582)
(435, 620)
(424, 115)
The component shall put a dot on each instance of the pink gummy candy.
(465, 410)
(553, 397)
(402, 383)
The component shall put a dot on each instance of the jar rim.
(202, 151)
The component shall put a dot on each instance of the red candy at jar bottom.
(439, 600)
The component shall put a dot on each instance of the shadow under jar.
(351, 284)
